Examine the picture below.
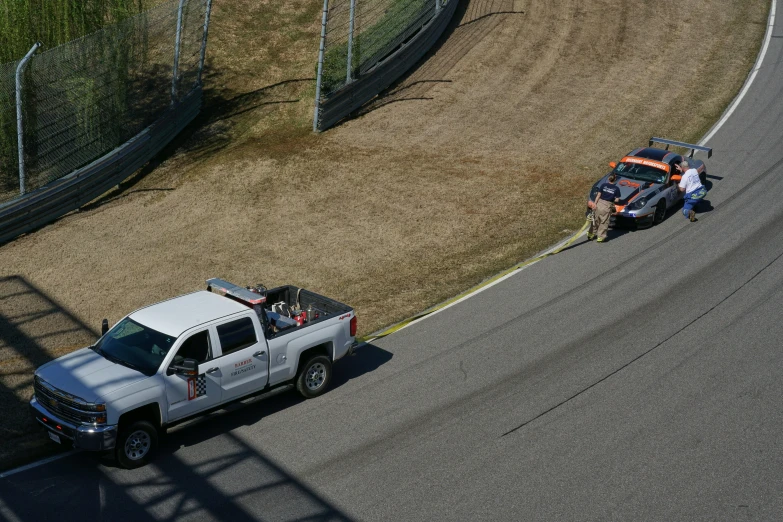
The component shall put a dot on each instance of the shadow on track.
(230, 481)
(222, 477)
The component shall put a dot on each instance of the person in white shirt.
(694, 190)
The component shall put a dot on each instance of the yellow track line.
(519, 266)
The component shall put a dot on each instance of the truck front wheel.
(314, 377)
(136, 444)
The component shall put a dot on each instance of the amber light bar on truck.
(221, 287)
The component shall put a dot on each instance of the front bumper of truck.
(86, 437)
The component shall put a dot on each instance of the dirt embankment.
(478, 159)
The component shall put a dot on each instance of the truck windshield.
(135, 346)
(640, 172)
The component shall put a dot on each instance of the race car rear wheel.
(660, 212)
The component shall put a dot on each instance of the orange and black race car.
(648, 179)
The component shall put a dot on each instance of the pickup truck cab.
(177, 359)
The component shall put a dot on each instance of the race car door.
(243, 363)
(672, 192)
(191, 394)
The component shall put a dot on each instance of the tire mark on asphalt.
(625, 268)
(446, 417)
(645, 353)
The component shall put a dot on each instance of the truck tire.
(314, 377)
(136, 444)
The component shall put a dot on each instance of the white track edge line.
(37, 463)
(714, 130)
(749, 81)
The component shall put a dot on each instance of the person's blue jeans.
(692, 199)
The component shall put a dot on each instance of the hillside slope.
(479, 158)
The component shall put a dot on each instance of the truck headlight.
(99, 419)
(96, 406)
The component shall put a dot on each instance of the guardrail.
(365, 80)
(82, 186)
(92, 111)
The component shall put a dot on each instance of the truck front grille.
(61, 404)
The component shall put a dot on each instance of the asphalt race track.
(636, 380)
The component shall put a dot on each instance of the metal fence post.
(19, 126)
(320, 67)
(204, 42)
(175, 79)
(348, 78)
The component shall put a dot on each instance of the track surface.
(640, 379)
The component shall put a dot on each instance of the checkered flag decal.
(201, 385)
(197, 387)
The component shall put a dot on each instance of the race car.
(648, 180)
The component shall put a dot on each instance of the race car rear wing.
(693, 148)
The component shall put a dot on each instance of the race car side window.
(675, 161)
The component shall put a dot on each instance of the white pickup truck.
(177, 359)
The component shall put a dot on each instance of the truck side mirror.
(187, 367)
(613, 164)
(104, 327)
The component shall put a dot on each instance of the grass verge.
(480, 158)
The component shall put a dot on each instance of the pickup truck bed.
(293, 295)
(296, 298)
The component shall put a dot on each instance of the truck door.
(188, 395)
(243, 365)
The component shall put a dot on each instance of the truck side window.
(195, 347)
(236, 335)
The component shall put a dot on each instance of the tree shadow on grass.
(34, 329)
(216, 128)
(217, 125)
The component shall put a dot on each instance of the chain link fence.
(8, 152)
(379, 26)
(358, 36)
(84, 99)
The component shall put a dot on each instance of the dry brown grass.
(480, 158)
(34, 329)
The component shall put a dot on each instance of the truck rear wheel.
(136, 444)
(314, 377)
